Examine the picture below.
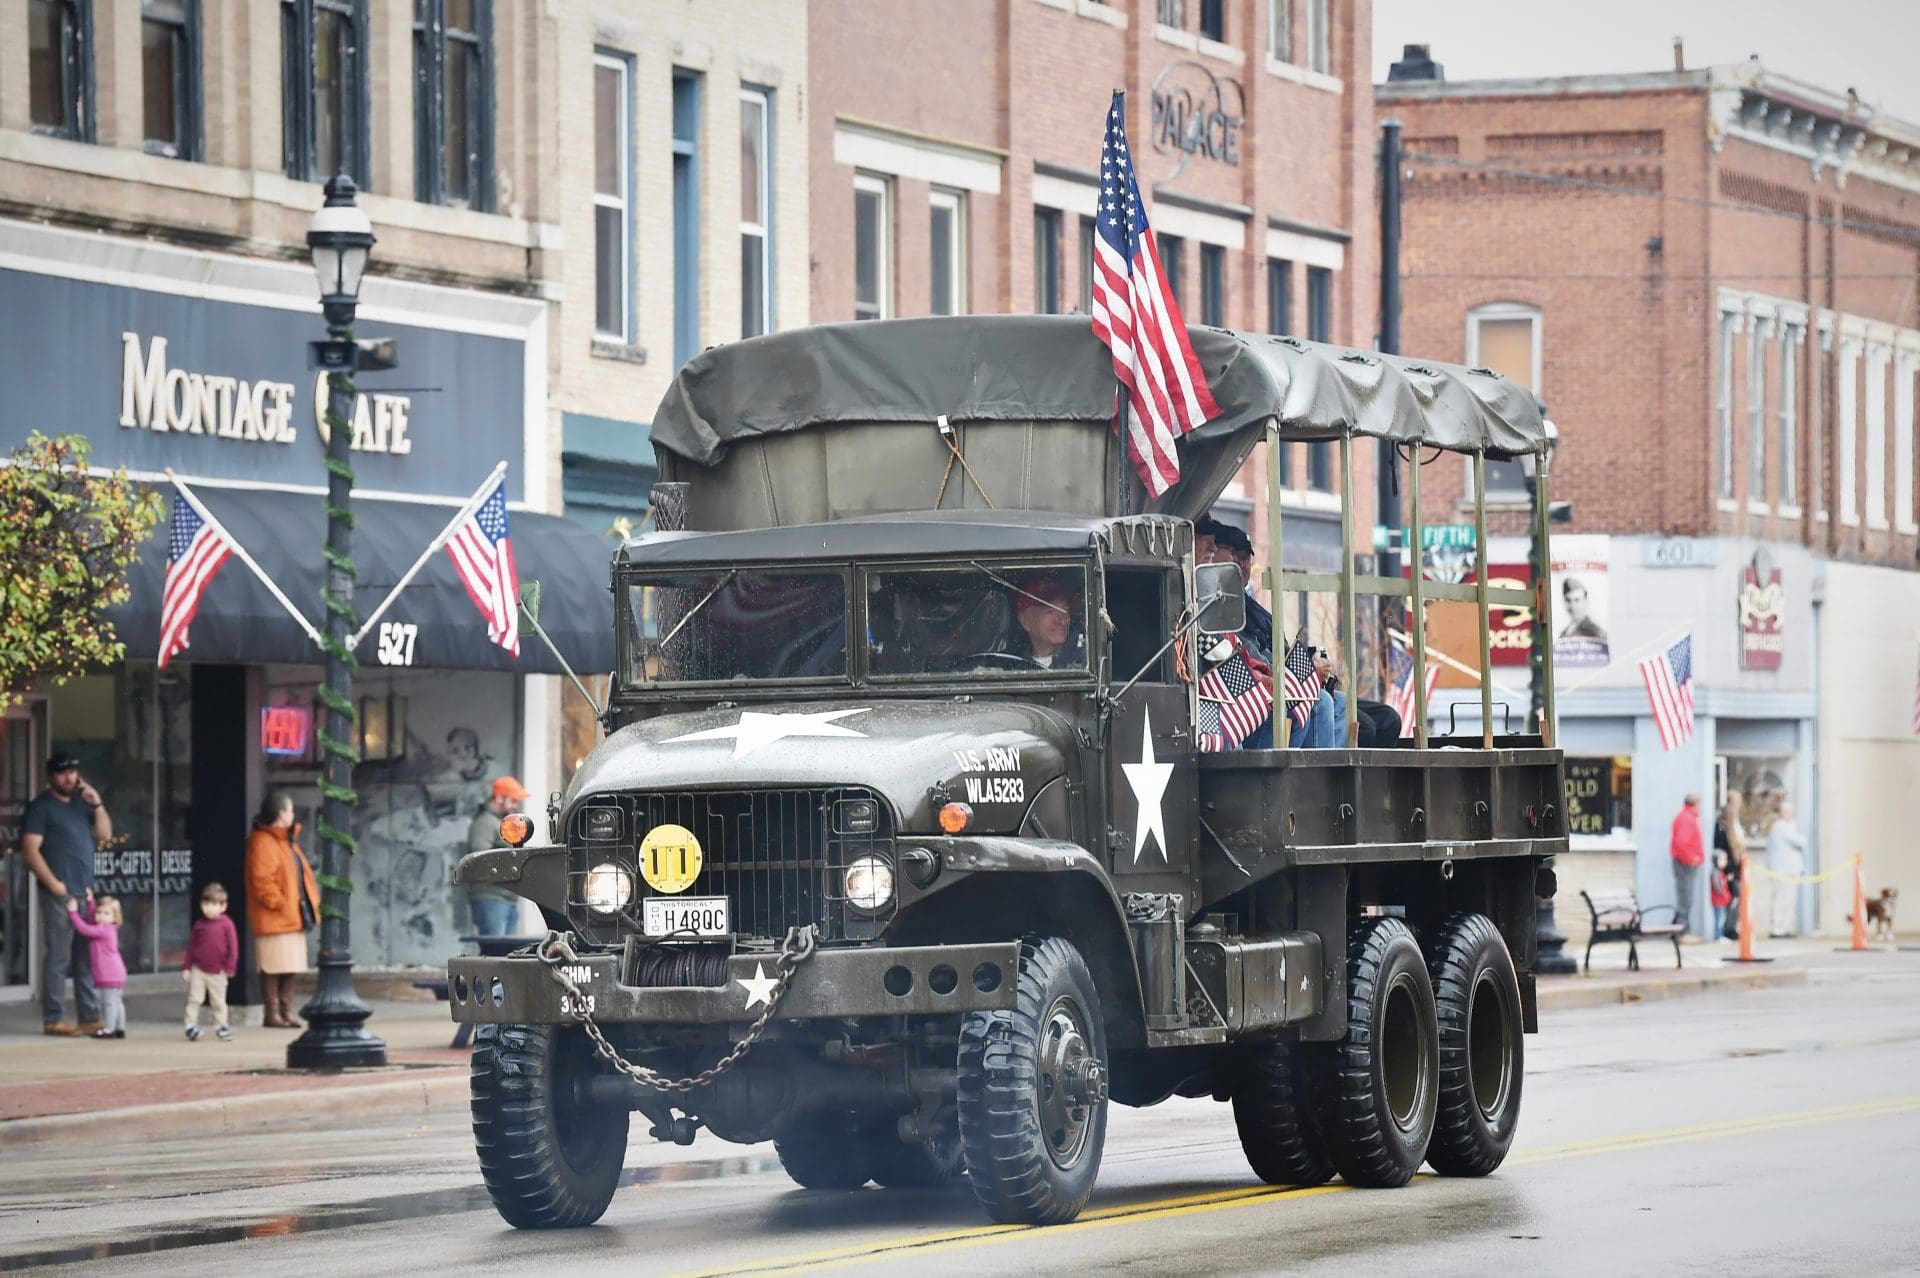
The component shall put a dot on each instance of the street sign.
(1432, 537)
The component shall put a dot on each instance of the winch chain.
(556, 952)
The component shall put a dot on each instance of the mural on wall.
(452, 734)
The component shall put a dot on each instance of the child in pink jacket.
(101, 926)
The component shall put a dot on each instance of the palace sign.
(1196, 112)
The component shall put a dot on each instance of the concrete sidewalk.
(155, 1081)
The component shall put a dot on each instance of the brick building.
(1708, 277)
(569, 199)
(954, 170)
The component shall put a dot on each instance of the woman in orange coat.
(283, 904)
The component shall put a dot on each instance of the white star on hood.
(759, 986)
(756, 729)
(1148, 779)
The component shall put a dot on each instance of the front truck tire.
(1379, 1084)
(1280, 1129)
(1481, 1052)
(550, 1158)
(1033, 1091)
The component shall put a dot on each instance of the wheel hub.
(1071, 1082)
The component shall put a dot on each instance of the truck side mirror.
(1222, 607)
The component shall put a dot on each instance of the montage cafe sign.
(1196, 112)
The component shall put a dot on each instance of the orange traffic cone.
(1746, 914)
(1859, 902)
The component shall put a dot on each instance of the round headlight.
(609, 888)
(869, 883)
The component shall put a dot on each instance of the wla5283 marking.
(996, 790)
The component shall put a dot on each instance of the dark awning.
(240, 622)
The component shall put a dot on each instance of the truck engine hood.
(994, 755)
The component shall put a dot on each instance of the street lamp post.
(1551, 958)
(339, 239)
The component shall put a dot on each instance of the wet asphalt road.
(1776, 1131)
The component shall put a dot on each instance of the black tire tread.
(931, 1164)
(999, 1132)
(1460, 1145)
(526, 1175)
(1343, 1082)
(1273, 1112)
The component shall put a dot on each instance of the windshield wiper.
(682, 623)
(998, 580)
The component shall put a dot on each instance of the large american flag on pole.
(195, 550)
(482, 553)
(1165, 395)
(1234, 700)
(1669, 680)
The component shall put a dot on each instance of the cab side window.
(1137, 606)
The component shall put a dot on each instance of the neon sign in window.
(286, 731)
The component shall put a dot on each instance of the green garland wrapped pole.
(336, 1036)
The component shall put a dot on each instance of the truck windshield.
(998, 619)
(727, 624)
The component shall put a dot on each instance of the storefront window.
(1761, 783)
(1600, 796)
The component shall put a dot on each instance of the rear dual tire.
(1481, 1041)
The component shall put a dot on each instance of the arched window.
(1506, 337)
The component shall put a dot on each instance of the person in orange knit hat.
(495, 910)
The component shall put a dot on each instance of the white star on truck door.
(1148, 780)
(756, 729)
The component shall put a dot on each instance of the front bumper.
(931, 980)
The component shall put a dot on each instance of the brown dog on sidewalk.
(1880, 913)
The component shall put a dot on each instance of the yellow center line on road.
(1219, 1200)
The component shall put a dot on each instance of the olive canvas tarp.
(838, 420)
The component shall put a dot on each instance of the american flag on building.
(1669, 680)
(1165, 395)
(1234, 700)
(1400, 672)
(195, 550)
(1301, 682)
(482, 553)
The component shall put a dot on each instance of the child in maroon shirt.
(213, 955)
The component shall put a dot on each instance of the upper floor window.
(1046, 261)
(1213, 285)
(1213, 19)
(1171, 248)
(1320, 329)
(1088, 234)
(453, 102)
(1170, 13)
(1729, 324)
(612, 219)
(1280, 29)
(686, 216)
(756, 211)
(946, 253)
(1280, 320)
(872, 247)
(324, 85)
(1320, 35)
(170, 92)
(1505, 337)
(60, 67)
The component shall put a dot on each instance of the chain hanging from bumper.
(557, 951)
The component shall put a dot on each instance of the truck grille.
(776, 855)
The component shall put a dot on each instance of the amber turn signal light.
(955, 817)
(516, 829)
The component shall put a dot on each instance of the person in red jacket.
(1689, 854)
(213, 955)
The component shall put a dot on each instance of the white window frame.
(1320, 36)
(622, 201)
(1280, 30)
(1849, 427)
(1729, 325)
(1878, 357)
(1503, 311)
(753, 96)
(876, 184)
(1792, 336)
(1759, 329)
(955, 202)
(1905, 362)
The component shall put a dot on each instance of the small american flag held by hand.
(482, 553)
(195, 551)
(1669, 679)
(1301, 682)
(1234, 701)
(1138, 317)
(1400, 668)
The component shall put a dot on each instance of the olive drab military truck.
(905, 850)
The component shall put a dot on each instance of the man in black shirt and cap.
(58, 837)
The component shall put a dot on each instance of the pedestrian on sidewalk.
(495, 909)
(1730, 856)
(1688, 855)
(59, 833)
(100, 924)
(1786, 854)
(283, 903)
(213, 956)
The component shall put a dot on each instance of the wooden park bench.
(1617, 916)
